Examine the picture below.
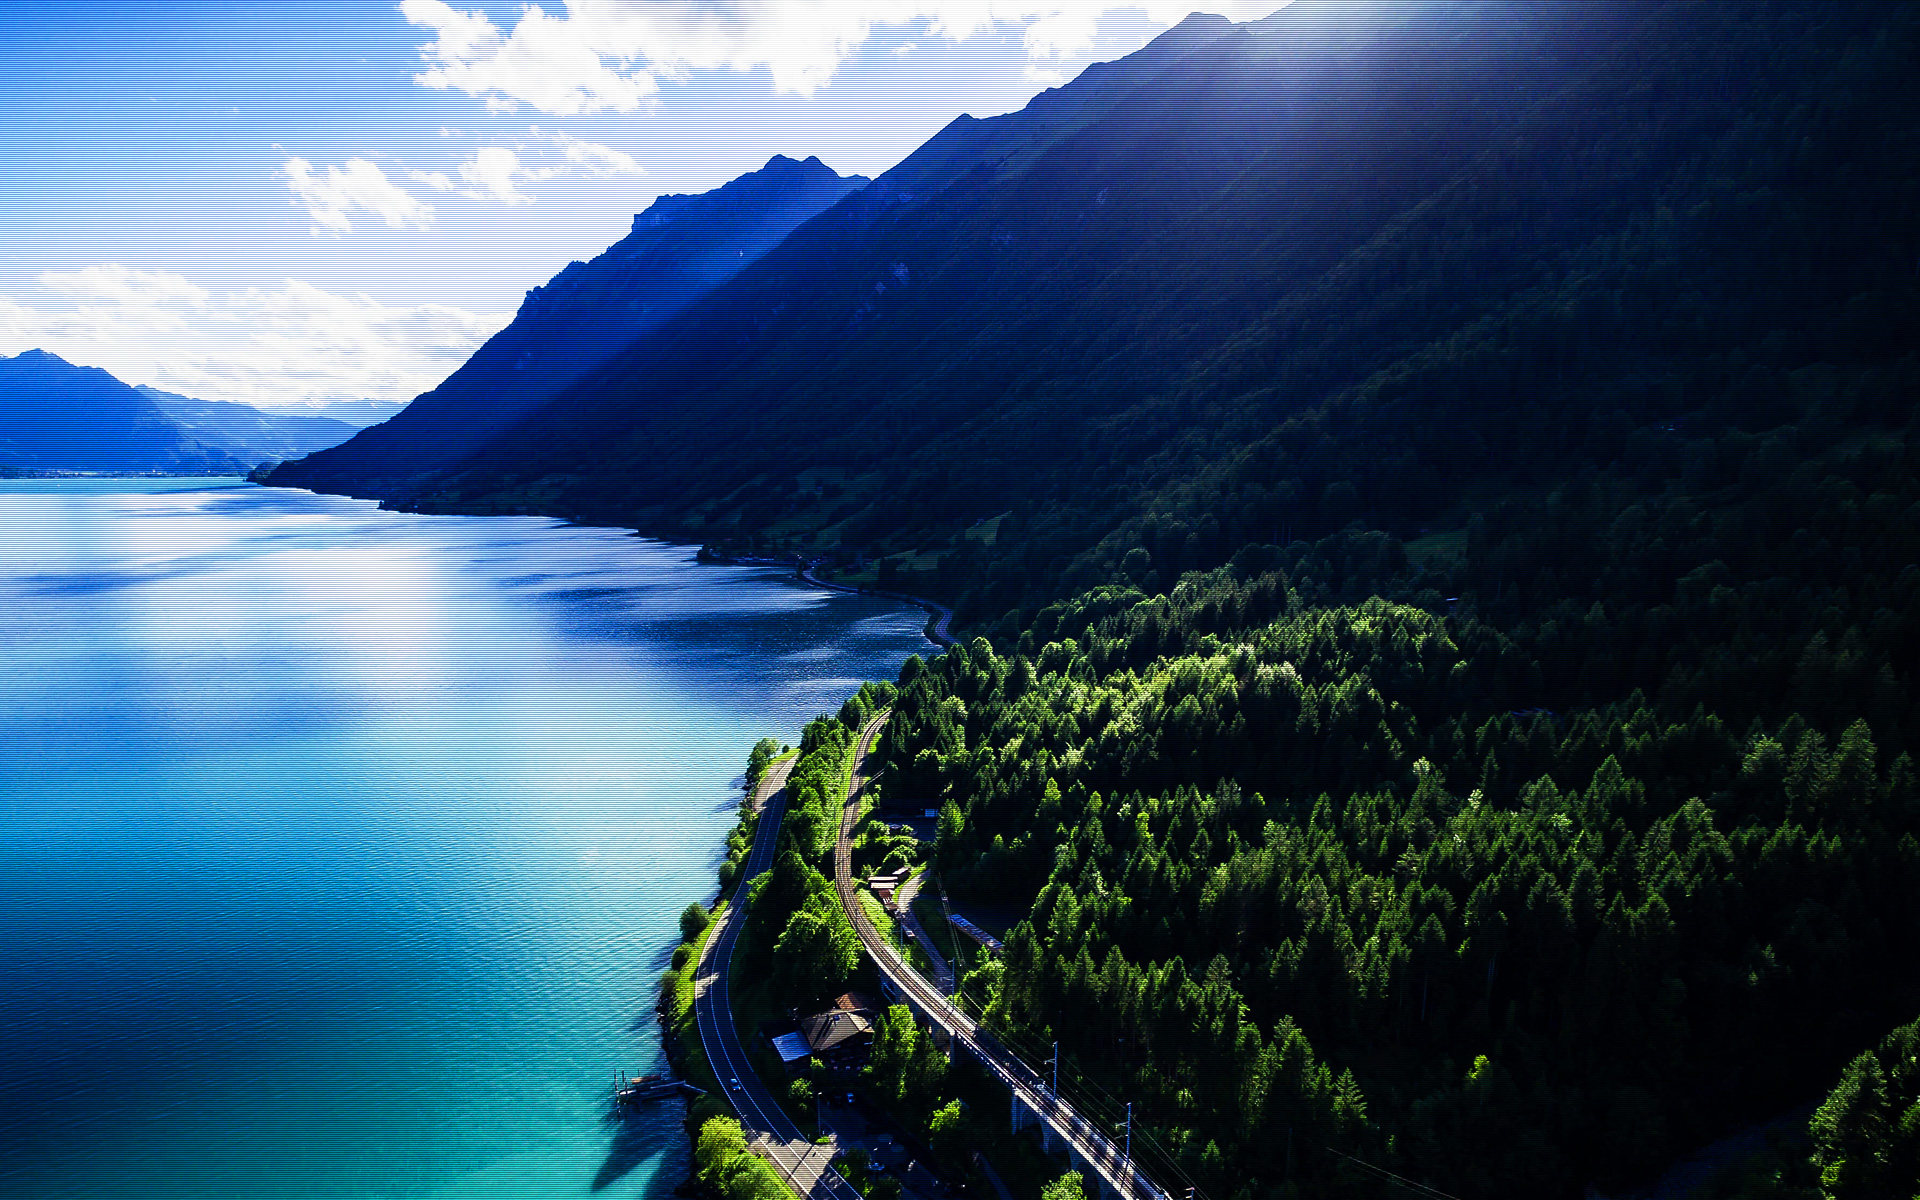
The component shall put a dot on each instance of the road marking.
(713, 1017)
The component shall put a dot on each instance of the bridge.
(1087, 1145)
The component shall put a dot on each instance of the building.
(840, 1039)
(794, 1052)
(842, 1035)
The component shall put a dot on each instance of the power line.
(1092, 1100)
(1414, 1186)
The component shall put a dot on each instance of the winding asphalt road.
(1091, 1146)
(770, 1132)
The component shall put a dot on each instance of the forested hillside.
(246, 433)
(1438, 489)
(1330, 873)
(1863, 1140)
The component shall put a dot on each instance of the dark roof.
(829, 1030)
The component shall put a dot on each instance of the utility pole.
(1056, 1073)
(1129, 1133)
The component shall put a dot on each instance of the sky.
(288, 203)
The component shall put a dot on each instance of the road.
(1091, 1146)
(770, 1132)
(903, 899)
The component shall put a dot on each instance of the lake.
(343, 848)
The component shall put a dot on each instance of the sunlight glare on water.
(344, 848)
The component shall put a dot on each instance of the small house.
(841, 1039)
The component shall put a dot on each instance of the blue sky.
(286, 202)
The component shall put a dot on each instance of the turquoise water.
(340, 849)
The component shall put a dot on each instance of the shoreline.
(939, 617)
(683, 1040)
(676, 1004)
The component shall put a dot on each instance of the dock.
(643, 1088)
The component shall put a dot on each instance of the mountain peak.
(1202, 22)
(679, 249)
(1198, 29)
(782, 168)
(783, 177)
(47, 366)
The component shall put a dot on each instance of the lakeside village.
(807, 1069)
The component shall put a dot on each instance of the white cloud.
(330, 199)
(1060, 37)
(287, 346)
(437, 180)
(551, 63)
(497, 172)
(601, 162)
(605, 55)
(114, 284)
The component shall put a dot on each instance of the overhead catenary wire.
(1076, 1126)
(1379, 1172)
(1084, 1093)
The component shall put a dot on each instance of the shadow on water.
(649, 1020)
(653, 1141)
(633, 1144)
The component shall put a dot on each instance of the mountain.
(679, 249)
(58, 416)
(248, 433)
(1143, 290)
(357, 413)
(1437, 489)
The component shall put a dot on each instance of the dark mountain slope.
(1098, 310)
(679, 249)
(1456, 613)
(245, 432)
(1002, 146)
(382, 464)
(58, 416)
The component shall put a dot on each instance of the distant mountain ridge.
(248, 433)
(55, 415)
(680, 248)
(357, 413)
(59, 416)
